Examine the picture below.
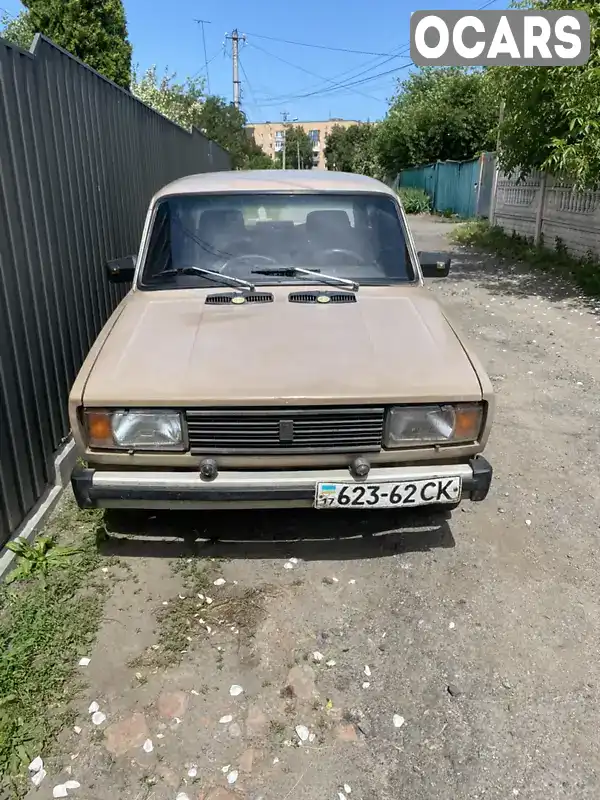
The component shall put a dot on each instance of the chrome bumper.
(274, 489)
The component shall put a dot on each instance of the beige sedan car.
(278, 348)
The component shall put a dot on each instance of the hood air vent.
(322, 297)
(238, 298)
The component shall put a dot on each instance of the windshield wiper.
(207, 273)
(292, 272)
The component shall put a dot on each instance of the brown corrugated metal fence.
(79, 160)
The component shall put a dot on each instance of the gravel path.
(463, 652)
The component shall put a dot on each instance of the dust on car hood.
(169, 348)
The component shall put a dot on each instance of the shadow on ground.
(274, 534)
(510, 279)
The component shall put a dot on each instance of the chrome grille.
(299, 430)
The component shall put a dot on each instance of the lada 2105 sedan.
(278, 348)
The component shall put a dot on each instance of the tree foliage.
(180, 102)
(296, 141)
(352, 149)
(17, 30)
(552, 114)
(440, 113)
(94, 31)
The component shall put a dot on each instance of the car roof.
(273, 180)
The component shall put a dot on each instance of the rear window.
(359, 237)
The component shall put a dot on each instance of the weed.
(277, 729)
(49, 616)
(37, 558)
(585, 272)
(414, 201)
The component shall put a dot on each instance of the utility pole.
(204, 22)
(235, 53)
(284, 115)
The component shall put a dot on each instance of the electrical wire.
(352, 82)
(303, 69)
(317, 46)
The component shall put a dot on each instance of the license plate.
(388, 495)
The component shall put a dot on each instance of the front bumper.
(269, 489)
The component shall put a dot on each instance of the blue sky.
(275, 73)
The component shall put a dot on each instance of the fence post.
(539, 214)
(479, 182)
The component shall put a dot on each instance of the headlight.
(134, 430)
(410, 426)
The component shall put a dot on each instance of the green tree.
(551, 119)
(438, 113)
(93, 30)
(352, 149)
(298, 144)
(17, 30)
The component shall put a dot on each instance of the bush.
(585, 272)
(415, 201)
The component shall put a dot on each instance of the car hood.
(168, 348)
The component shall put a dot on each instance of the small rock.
(507, 684)
(38, 776)
(209, 600)
(72, 785)
(312, 737)
(235, 690)
(294, 560)
(368, 671)
(192, 771)
(288, 565)
(275, 760)
(182, 796)
(98, 717)
(219, 582)
(84, 662)
(527, 522)
(60, 790)
(232, 777)
(303, 732)
(329, 581)
(301, 682)
(317, 656)
(331, 662)
(148, 747)
(93, 707)
(226, 719)
(453, 690)
(129, 734)
(347, 789)
(366, 684)
(346, 733)
(36, 765)
(398, 721)
(172, 704)
(451, 626)
(235, 731)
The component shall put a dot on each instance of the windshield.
(255, 237)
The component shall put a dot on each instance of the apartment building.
(269, 136)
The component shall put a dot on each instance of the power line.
(348, 85)
(303, 69)
(317, 46)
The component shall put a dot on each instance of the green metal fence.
(460, 187)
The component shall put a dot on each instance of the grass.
(49, 615)
(584, 272)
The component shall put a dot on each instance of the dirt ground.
(426, 657)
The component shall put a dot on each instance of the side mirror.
(121, 270)
(434, 265)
